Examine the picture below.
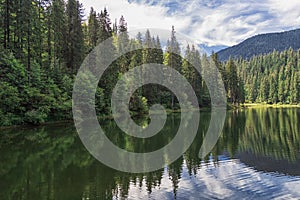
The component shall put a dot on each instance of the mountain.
(210, 49)
(262, 44)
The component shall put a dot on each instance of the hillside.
(262, 44)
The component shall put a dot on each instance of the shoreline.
(168, 111)
(264, 105)
(36, 126)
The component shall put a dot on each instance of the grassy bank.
(264, 105)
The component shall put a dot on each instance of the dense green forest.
(43, 43)
(262, 44)
(272, 78)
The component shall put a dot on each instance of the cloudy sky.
(209, 22)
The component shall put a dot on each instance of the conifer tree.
(93, 29)
(75, 48)
(173, 59)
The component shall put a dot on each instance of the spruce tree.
(75, 48)
(93, 29)
(173, 59)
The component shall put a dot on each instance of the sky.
(208, 22)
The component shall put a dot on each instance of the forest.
(262, 44)
(272, 78)
(44, 42)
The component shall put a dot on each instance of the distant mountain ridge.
(210, 49)
(262, 44)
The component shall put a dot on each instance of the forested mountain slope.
(262, 44)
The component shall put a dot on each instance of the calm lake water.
(256, 157)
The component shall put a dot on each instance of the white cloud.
(138, 15)
(211, 22)
(286, 12)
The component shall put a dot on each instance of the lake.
(256, 157)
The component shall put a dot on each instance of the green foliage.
(35, 117)
(44, 43)
(191, 62)
(10, 105)
(173, 60)
(139, 105)
(74, 48)
(271, 78)
(234, 85)
(100, 102)
(11, 70)
(9, 97)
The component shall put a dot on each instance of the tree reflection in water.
(51, 163)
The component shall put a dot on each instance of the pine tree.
(232, 81)
(123, 45)
(93, 29)
(149, 56)
(198, 76)
(105, 31)
(281, 85)
(192, 62)
(173, 59)
(264, 90)
(273, 93)
(205, 93)
(57, 34)
(75, 44)
(111, 74)
(158, 52)
(6, 23)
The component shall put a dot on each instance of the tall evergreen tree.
(57, 34)
(75, 44)
(173, 58)
(93, 29)
(232, 81)
(104, 25)
(123, 45)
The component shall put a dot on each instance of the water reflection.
(257, 156)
